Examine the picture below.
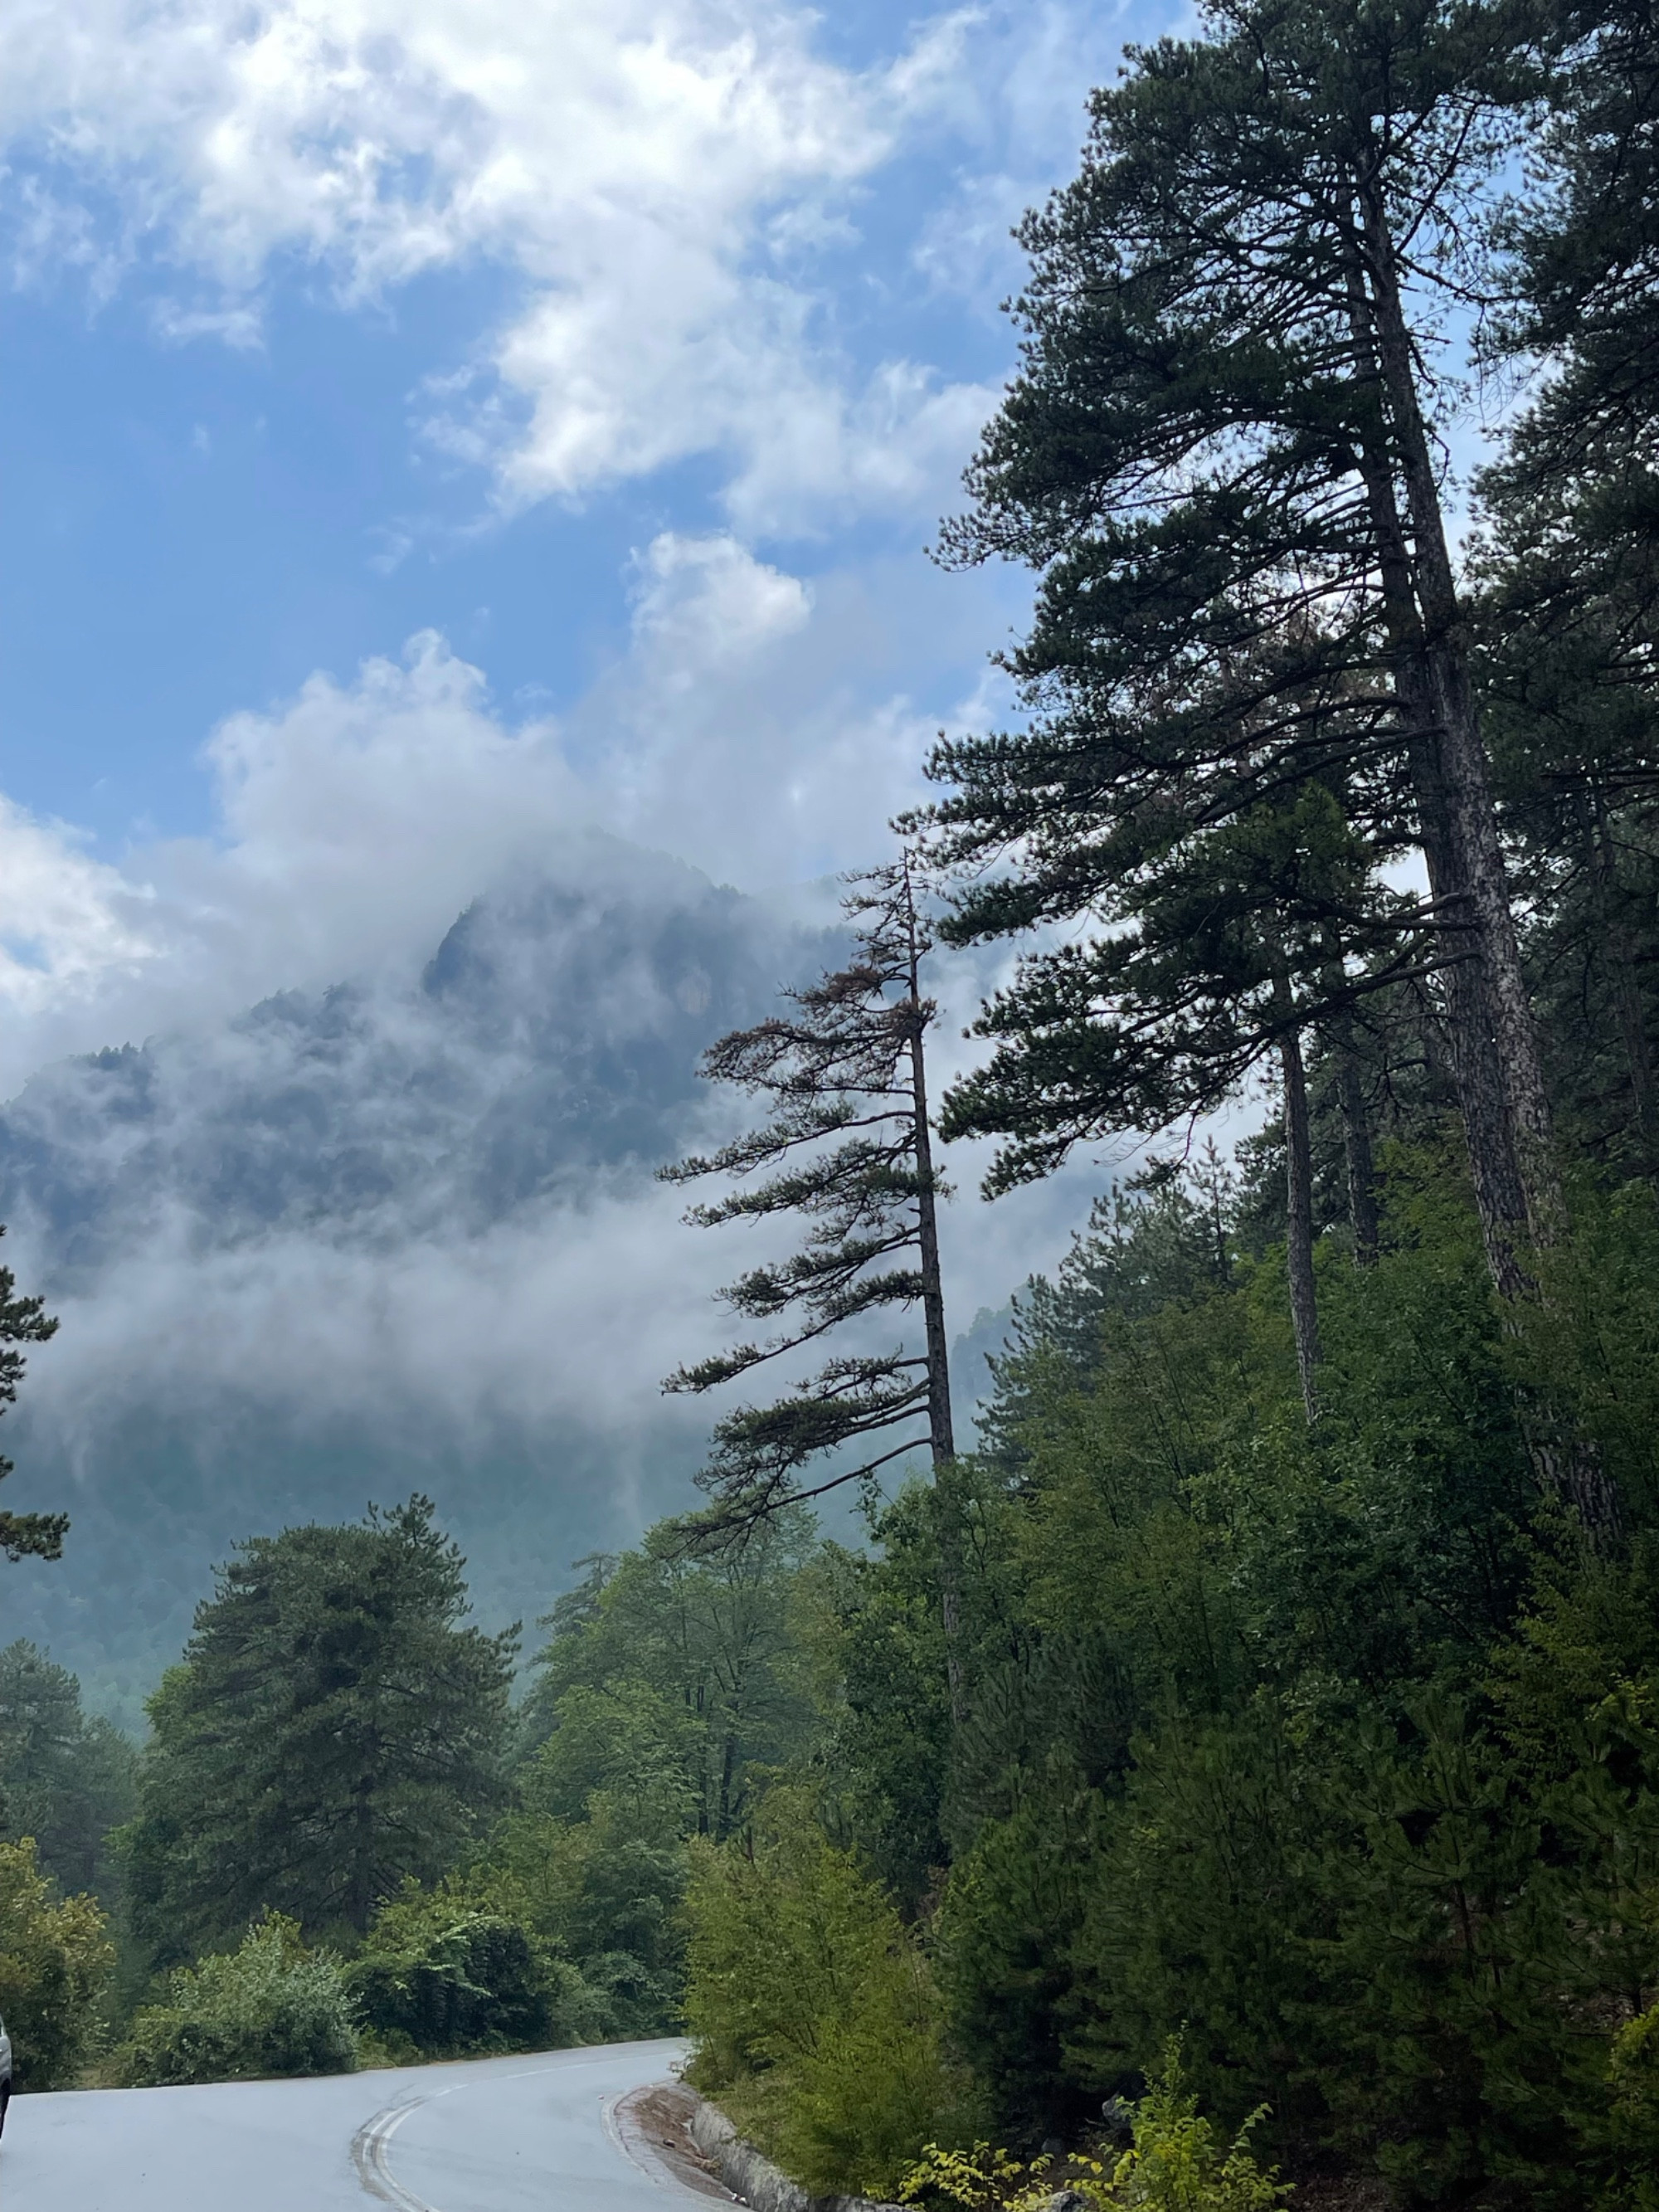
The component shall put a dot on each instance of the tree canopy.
(334, 1727)
(1218, 457)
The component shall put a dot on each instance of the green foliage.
(64, 1779)
(816, 2018)
(1633, 2131)
(23, 1321)
(1176, 2164)
(1592, 1346)
(55, 1961)
(669, 1682)
(333, 1727)
(887, 1754)
(441, 1974)
(673, 1688)
(1013, 1902)
(977, 2179)
(269, 2006)
(1327, 1752)
(604, 1895)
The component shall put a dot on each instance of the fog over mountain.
(379, 1237)
(404, 1232)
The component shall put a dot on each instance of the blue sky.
(624, 352)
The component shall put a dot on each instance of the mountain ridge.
(509, 1104)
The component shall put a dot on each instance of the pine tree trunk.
(728, 1768)
(941, 1429)
(1471, 816)
(1471, 1018)
(940, 1424)
(1499, 1071)
(360, 1881)
(1627, 989)
(1298, 1207)
(1357, 1155)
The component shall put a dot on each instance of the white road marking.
(368, 2153)
(369, 2146)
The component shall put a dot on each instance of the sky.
(424, 424)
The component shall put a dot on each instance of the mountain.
(386, 1235)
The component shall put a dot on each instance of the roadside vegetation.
(1328, 1752)
(1236, 1770)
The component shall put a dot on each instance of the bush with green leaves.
(1178, 2163)
(270, 2007)
(447, 1971)
(817, 2020)
(55, 1962)
(450, 1979)
(605, 1893)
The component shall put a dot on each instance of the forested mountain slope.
(367, 1240)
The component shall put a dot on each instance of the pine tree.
(1569, 613)
(1244, 910)
(1569, 601)
(1219, 457)
(66, 1779)
(24, 1320)
(1586, 293)
(847, 1147)
(334, 1727)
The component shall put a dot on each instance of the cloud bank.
(749, 727)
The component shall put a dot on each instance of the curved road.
(492, 2134)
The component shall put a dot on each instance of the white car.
(5, 2075)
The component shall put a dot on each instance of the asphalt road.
(492, 2134)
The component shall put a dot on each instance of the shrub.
(55, 1958)
(597, 1892)
(1633, 2076)
(979, 2179)
(816, 2017)
(271, 2006)
(1177, 2164)
(1174, 2165)
(441, 1973)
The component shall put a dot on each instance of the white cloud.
(824, 455)
(67, 922)
(757, 726)
(657, 174)
(353, 824)
(454, 1330)
(707, 601)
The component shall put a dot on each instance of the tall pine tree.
(1220, 456)
(849, 1149)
